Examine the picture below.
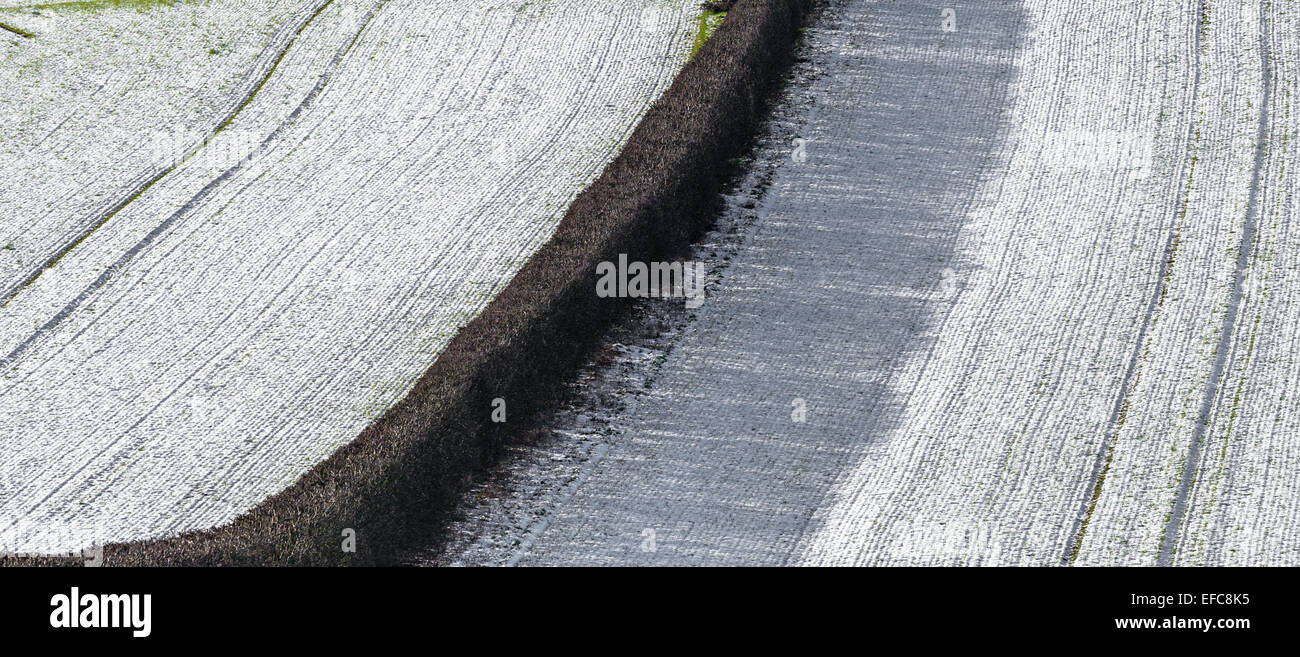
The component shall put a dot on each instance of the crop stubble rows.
(242, 317)
(1102, 282)
(1101, 379)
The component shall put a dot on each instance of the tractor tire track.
(1245, 251)
(194, 201)
(162, 228)
(8, 294)
(1187, 166)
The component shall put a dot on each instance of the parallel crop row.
(274, 292)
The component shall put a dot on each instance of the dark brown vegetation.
(400, 477)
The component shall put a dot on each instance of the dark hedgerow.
(404, 472)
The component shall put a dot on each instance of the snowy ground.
(1027, 300)
(234, 232)
(770, 391)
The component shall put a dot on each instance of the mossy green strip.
(707, 23)
(84, 5)
(20, 32)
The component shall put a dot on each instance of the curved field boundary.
(397, 478)
(329, 292)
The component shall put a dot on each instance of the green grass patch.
(86, 5)
(707, 23)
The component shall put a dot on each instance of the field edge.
(394, 482)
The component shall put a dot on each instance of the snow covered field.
(1092, 375)
(236, 231)
(1029, 299)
